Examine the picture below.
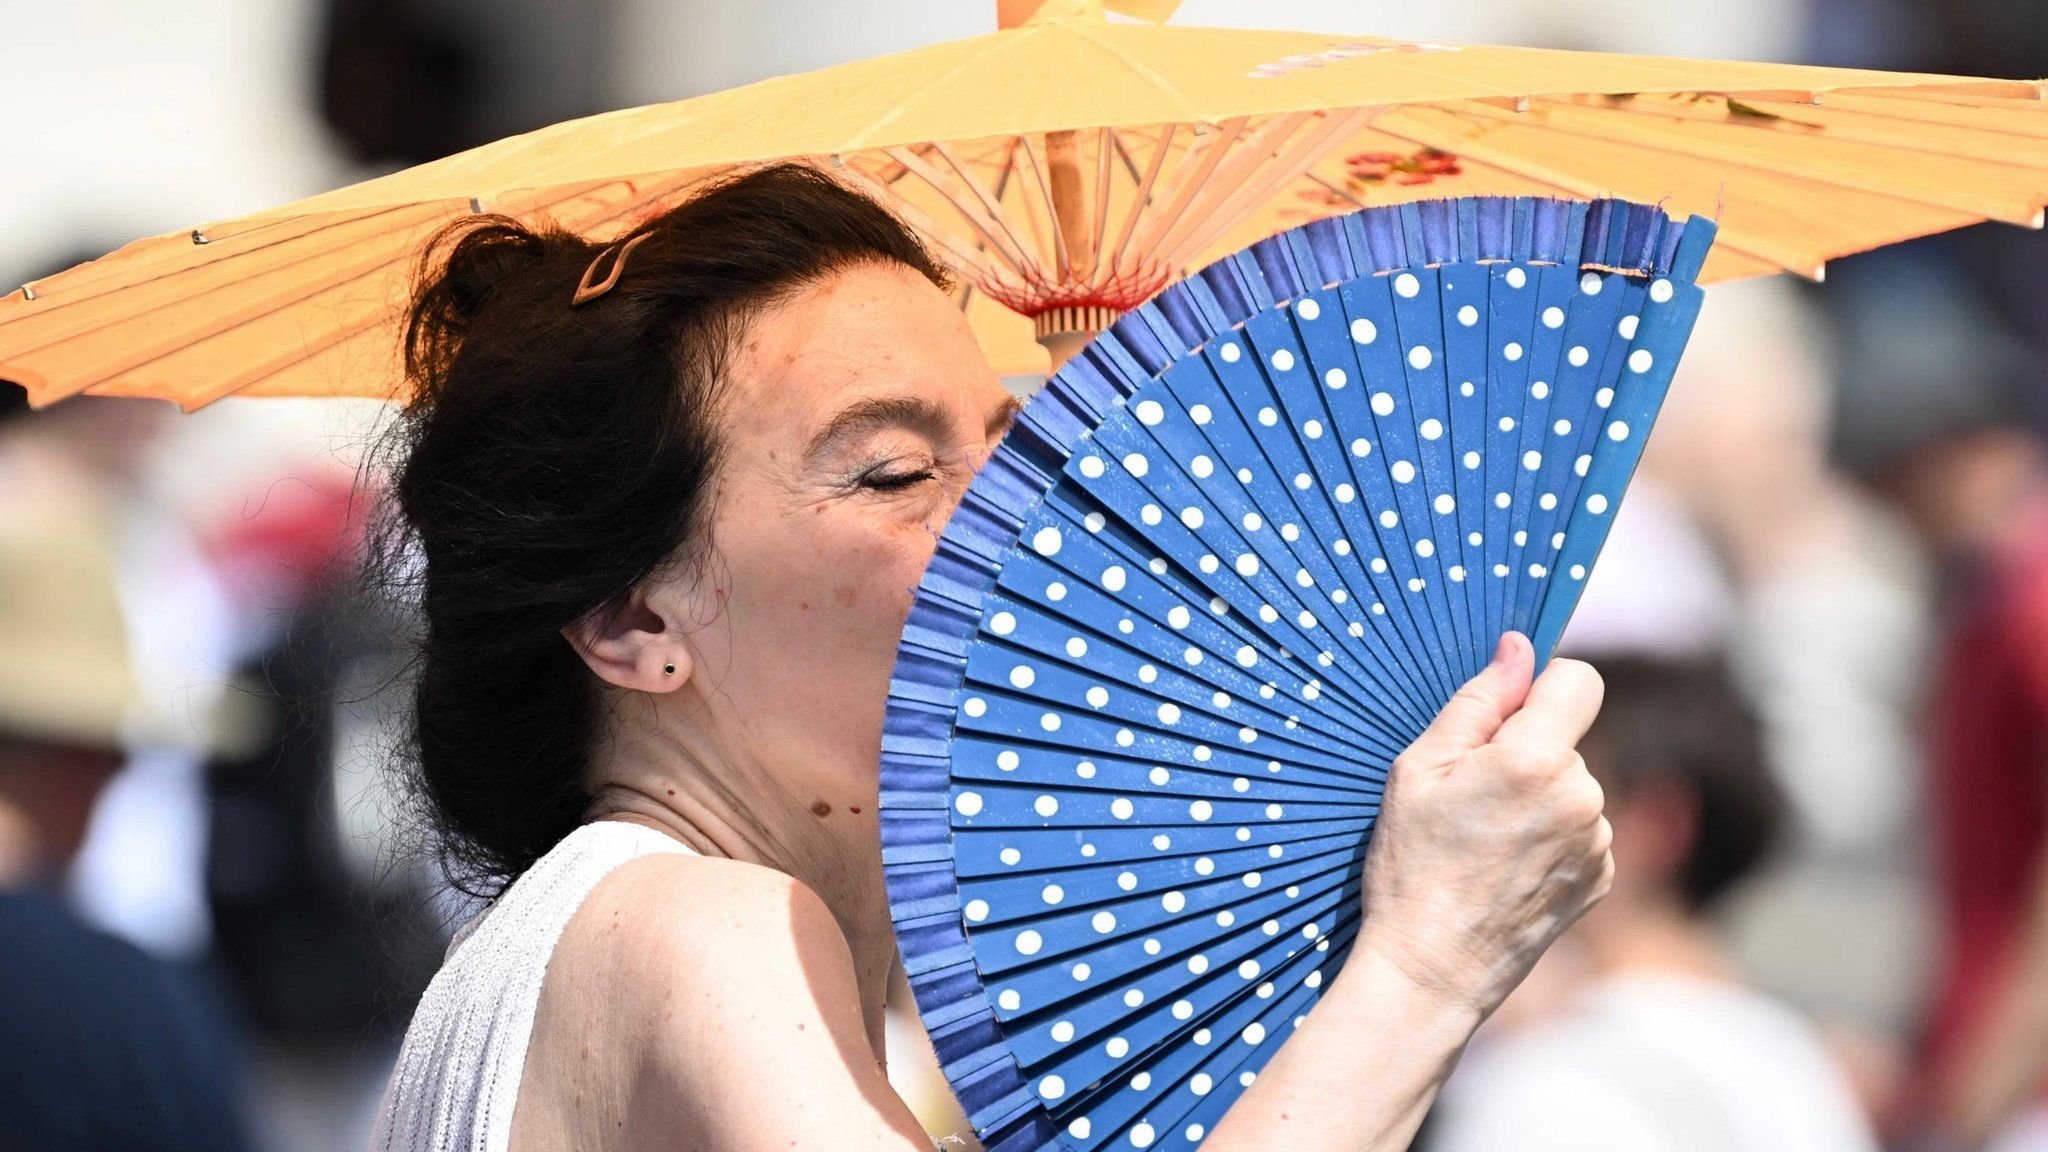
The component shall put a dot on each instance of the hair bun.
(465, 267)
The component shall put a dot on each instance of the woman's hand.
(1490, 843)
(1491, 840)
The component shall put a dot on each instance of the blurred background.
(1827, 596)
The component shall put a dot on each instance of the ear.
(638, 646)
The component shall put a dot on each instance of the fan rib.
(1225, 386)
(1334, 409)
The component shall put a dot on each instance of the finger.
(1472, 716)
(1559, 708)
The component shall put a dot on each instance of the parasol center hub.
(1073, 319)
(1065, 330)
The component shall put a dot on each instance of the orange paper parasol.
(1068, 168)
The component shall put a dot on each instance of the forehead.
(864, 330)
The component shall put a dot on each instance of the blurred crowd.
(1823, 620)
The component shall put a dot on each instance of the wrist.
(1438, 970)
(1433, 1002)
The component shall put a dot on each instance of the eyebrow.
(914, 412)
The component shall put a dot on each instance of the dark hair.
(1687, 722)
(551, 458)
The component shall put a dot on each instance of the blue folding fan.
(1222, 570)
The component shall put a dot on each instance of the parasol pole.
(1064, 331)
(1078, 207)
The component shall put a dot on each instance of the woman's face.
(853, 418)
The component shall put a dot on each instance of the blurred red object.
(299, 537)
(1988, 795)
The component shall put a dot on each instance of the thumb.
(1472, 716)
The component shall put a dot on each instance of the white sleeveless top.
(457, 1078)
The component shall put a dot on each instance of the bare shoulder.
(681, 906)
(730, 938)
(694, 997)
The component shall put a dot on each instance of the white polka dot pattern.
(1249, 586)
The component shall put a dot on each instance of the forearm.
(1489, 842)
(1360, 1072)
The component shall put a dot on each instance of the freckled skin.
(855, 557)
(787, 635)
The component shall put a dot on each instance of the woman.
(669, 536)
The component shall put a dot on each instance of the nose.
(976, 460)
(954, 493)
(950, 497)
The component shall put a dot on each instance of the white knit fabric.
(457, 1078)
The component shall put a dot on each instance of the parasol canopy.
(1069, 168)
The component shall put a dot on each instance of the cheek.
(874, 556)
(872, 571)
(818, 601)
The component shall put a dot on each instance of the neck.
(667, 773)
(1653, 935)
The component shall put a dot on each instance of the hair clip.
(585, 290)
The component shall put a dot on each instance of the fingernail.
(1501, 649)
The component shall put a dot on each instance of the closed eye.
(883, 481)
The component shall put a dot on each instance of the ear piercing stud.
(668, 669)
